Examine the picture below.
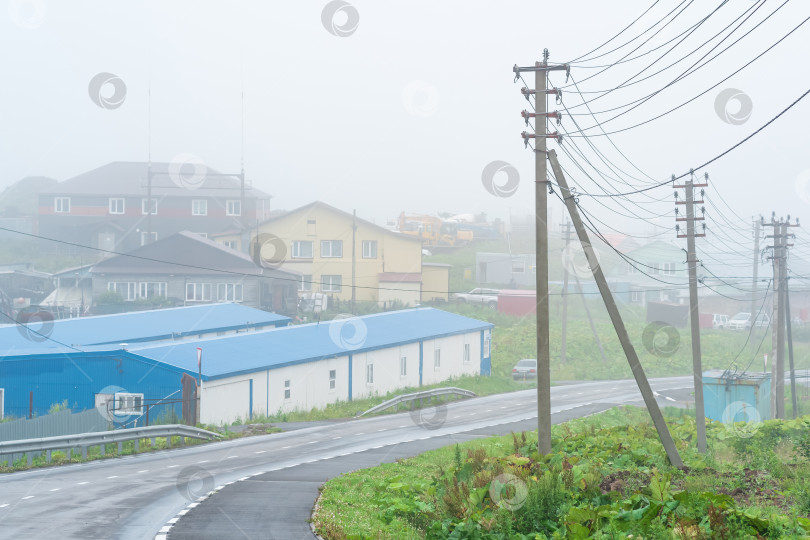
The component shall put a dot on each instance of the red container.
(517, 302)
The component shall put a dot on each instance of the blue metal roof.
(141, 326)
(255, 351)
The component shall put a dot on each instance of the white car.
(485, 297)
(743, 321)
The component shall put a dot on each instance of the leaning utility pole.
(567, 233)
(590, 319)
(615, 317)
(541, 70)
(694, 312)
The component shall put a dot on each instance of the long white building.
(309, 366)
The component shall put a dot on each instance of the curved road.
(139, 497)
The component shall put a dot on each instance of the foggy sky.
(404, 113)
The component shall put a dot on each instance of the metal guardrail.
(29, 447)
(426, 394)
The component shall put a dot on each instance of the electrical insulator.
(676, 194)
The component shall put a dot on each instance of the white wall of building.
(225, 400)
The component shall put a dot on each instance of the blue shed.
(737, 397)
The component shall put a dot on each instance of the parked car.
(485, 297)
(743, 321)
(525, 369)
(719, 321)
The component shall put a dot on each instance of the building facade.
(109, 207)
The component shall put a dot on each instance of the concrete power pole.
(775, 313)
(541, 70)
(694, 311)
(354, 261)
(780, 327)
(616, 318)
(567, 233)
(788, 322)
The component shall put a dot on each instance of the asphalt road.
(139, 497)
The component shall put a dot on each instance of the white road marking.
(172, 466)
(336, 438)
(27, 497)
(503, 407)
(383, 429)
(82, 483)
(203, 461)
(311, 442)
(143, 471)
(165, 529)
(669, 398)
(256, 452)
(173, 521)
(400, 427)
(3, 505)
(359, 433)
(488, 410)
(55, 489)
(285, 447)
(231, 457)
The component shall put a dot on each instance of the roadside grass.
(607, 477)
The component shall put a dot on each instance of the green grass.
(607, 477)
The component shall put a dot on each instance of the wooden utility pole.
(541, 70)
(775, 313)
(567, 233)
(694, 311)
(590, 319)
(354, 260)
(615, 317)
(756, 270)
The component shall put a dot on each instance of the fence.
(55, 424)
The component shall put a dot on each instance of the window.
(330, 283)
(655, 268)
(631, 269)
(231, 244)
(203, 234)
(128, 403)
(306, 283)
(369, 373)
(310, 227)
(127, 289)
(301, 249)
(146, 238)
(199, 207)
(668, 269)
(61, 205)
(331, 248)
(287, 389)
(369, 249)
(332, 378)
(635, 296)
(437, 359)
(152, 290)
(403, 366)
(198, 292)
(466, 353)
(145, 207)
(233, 208)
(116, 206)
(518, 266)
(229, 292)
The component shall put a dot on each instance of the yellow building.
(317, 241)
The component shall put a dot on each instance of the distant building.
(316, 241)
(194, 270)
(655, 272)
(108, 207)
